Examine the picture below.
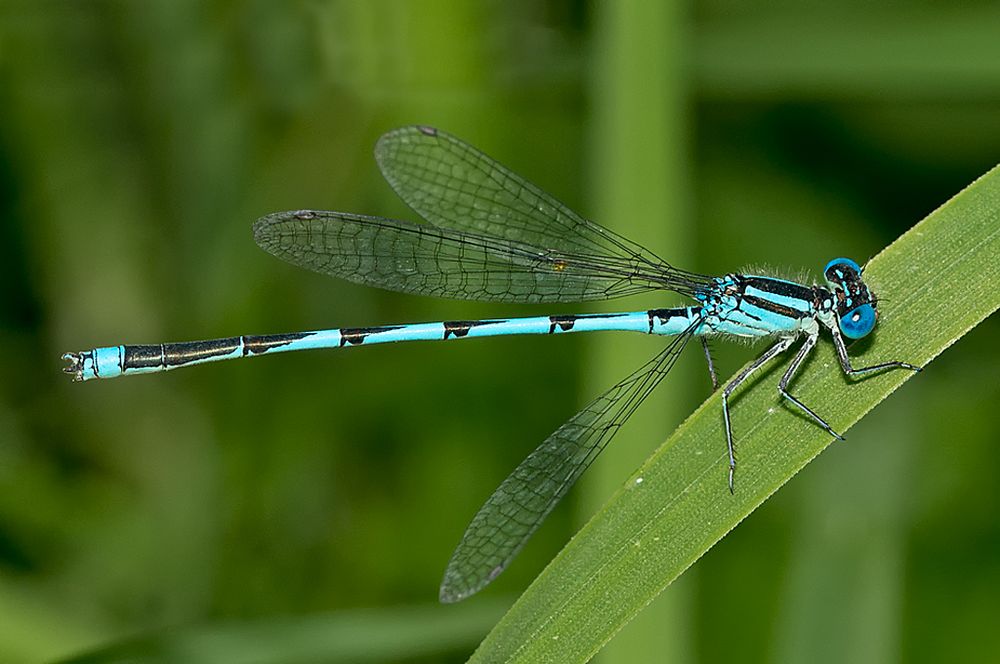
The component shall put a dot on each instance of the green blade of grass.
(937, 281)
(357, 635)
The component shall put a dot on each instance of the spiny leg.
(776, 349)
(800, 356)
(711, 365)
(845, 360)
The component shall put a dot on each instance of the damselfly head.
(855, 303)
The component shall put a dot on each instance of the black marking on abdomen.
(357, 335)
(143, 357)
(460, 328)
(457, 328)
(664, 315)
(179, 354)
(564, 323)
(257, 344)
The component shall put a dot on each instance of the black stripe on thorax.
(779, 287)
(771, 306)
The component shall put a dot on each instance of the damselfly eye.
(841, 269)
(858, 322)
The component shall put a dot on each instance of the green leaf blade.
(937, 282)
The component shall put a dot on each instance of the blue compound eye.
(858, 322)
(842, 263)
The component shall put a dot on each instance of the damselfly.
(494, 236)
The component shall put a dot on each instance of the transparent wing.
(453, 185)
(430, 260)
(522, 501)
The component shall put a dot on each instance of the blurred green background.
(302, 508)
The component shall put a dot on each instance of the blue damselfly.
(494, 236)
